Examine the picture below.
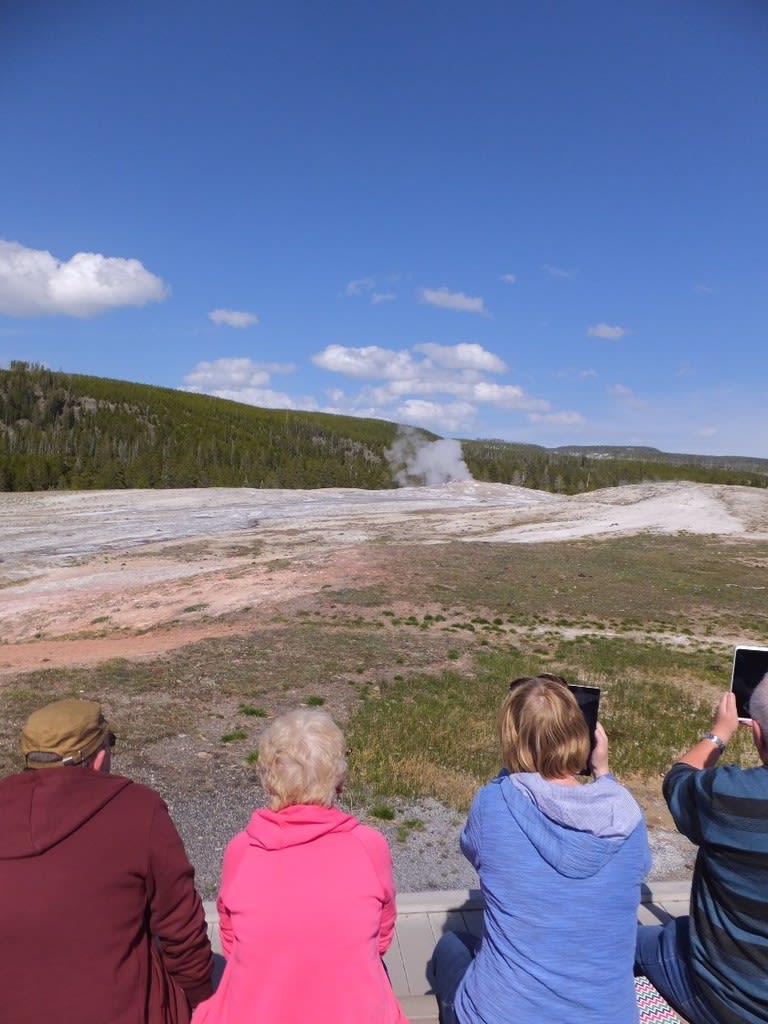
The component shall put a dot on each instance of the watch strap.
(713, 739)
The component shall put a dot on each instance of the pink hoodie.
(306, 909)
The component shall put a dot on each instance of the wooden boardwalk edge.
(422, 917)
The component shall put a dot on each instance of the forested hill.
(65, 431)
(74, 432)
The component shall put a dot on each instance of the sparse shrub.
(384, 812)
(251, 711)
(234, 736)
(415, 824)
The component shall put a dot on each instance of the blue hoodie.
(560, 868)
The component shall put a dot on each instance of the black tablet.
(588, 699)
(750, 665)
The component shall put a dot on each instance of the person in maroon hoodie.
(99, 917)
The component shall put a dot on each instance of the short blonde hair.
(542, 729)
(301, 759)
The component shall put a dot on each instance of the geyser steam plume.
(414, 460)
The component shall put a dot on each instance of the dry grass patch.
(378, 653)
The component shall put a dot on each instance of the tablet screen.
(750, 664)
(588, 699)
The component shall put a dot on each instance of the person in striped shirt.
(712, 966)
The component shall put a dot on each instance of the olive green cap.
(65, 732)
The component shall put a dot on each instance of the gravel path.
(426, 855)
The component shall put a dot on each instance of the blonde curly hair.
(301, 759)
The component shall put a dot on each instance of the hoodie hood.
(296, 826)
(40, 808)
(575, 829)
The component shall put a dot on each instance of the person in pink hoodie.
(307, 902)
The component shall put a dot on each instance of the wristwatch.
(714, 739)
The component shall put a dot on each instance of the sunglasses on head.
(542, 675)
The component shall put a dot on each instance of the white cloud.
(265, 397)
(369, 362)
(610, 333)
(363, 284)
(367, 286)
(556, 271)
(507, 396)
(232, 373)
(233, 317)
(509, 278)
(458, 301)
(411, 389)
(627, 396)
(242, 380)
(466, 355)
(442, 387)
(565, 418)
(226, 373)
(704, 289)
(447, 369)
(439, 416)
(423, 384)
(578, 374)
(33, 282)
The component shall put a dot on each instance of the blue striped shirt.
(724, 811)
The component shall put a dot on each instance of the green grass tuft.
(384, 812)
(252, 712)
(234, 736)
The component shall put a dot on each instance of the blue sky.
(542, 221)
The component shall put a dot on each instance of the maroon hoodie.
(100, 922)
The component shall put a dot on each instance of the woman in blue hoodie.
(560, 866)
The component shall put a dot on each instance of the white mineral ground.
(67, 559)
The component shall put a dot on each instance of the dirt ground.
(89, 577)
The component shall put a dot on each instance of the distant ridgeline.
(574, 468)
(72, 432)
